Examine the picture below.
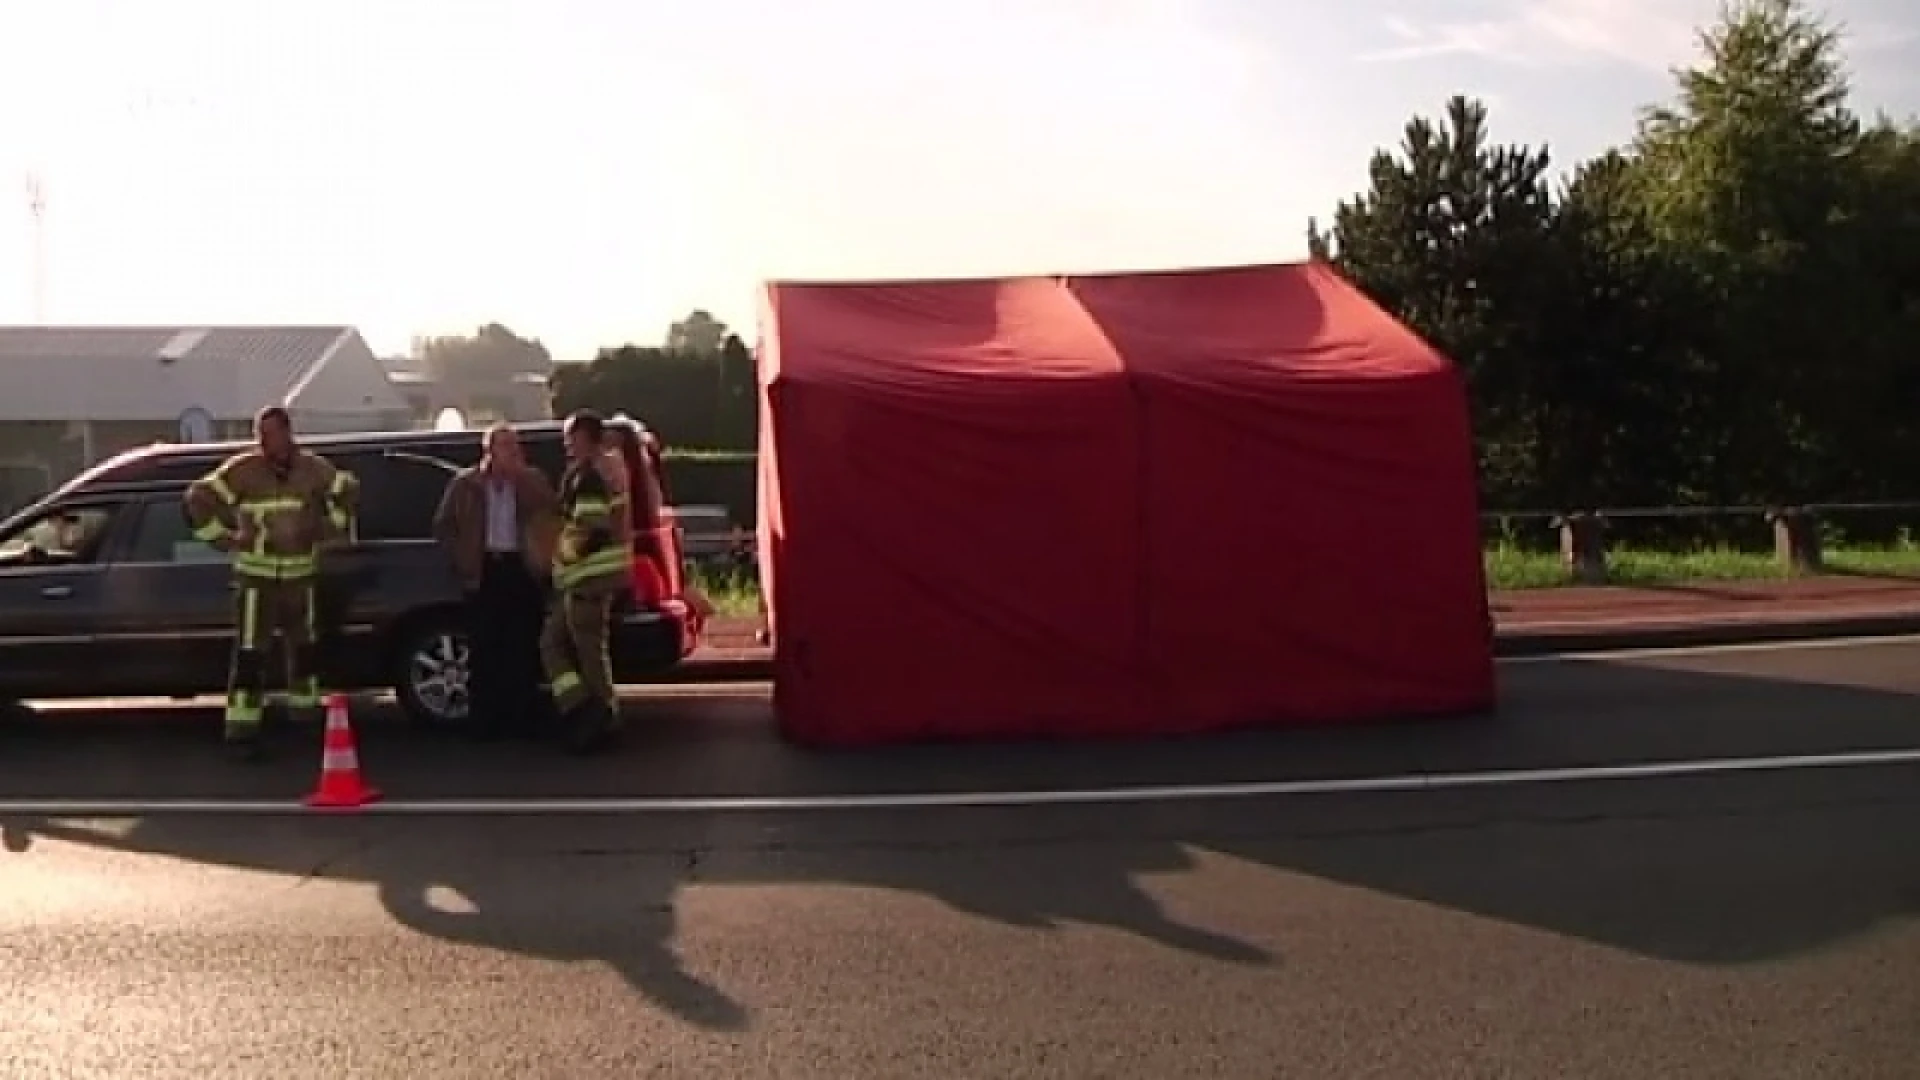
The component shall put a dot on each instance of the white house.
(71, 396)
(481, 400)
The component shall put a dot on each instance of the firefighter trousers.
(574, 649)
(262, 609)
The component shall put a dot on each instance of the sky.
(587, 171)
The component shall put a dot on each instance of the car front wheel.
(433, 678)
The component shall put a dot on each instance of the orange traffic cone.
(341, 787)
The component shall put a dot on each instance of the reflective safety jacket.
(592, 549)
(275, 519)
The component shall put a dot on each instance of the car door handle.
(57, 592)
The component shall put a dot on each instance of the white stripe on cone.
(341, 758)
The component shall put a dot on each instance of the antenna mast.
(37, 207)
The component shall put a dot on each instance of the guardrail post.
(1796, 539)
(1583, 547)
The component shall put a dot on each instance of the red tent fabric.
(939, 530)
(1114, 504)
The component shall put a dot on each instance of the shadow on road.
(1716, 871)
(542, 914)
(457, 892)
(486, 886)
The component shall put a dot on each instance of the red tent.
(1113, 504)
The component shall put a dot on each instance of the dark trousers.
(504, 646)
(263, 608)
(573, 650)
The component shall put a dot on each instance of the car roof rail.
(101, 475)
(423, 459)
(130, 487)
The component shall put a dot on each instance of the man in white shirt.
(496, 521)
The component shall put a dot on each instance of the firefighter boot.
(246, 745)
(591, 727)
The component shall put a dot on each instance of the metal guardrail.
(1644, 513)
(1682, 512)
(1583, 546)
(1796, 529)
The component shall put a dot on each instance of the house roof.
(158, 372)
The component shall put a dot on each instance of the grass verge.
(737, 594)
(1513, 568)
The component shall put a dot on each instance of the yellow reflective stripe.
(599, 564)
(211, 531)
(282, 566)
(219, 485)
(574, 576)
(339, 518)
(277, 572)
(263, 507)
(341, 481)
(249, 618)
(264, 559)
(610, 556)
(564, 683)
(590, 506)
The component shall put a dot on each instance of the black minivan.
(104, 592)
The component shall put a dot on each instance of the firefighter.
(591, 566)
(274, 508)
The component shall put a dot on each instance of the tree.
(1881, 433)
(695, 391)
(1618, 382)
(699, 333)
(737, 419)
(1752, 177)
(1319, 244)
(491, 354)
(1756, 134)
(1722, 312)
(1454, 237)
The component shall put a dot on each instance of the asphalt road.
(1750, 925)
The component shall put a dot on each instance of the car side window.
(68, 536)
(547, 455)
(399, 493)
(163, 536)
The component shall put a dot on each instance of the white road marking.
(204, 702)
(1692, 621)
(722, 804)
(1808, 645)
(1856, 641)
(747, 687)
